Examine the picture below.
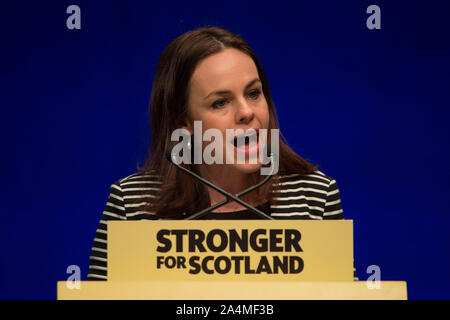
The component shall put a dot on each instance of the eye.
(254, 94)
(219, 104)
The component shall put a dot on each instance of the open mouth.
(248, 142)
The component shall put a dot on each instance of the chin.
(247, 168)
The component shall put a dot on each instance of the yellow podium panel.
(118, 290)
(231, 260)
(230, 250)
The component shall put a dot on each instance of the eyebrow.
(228, 91)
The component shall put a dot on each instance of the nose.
(244, 113)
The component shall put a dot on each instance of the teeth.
(246, 141)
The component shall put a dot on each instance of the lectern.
(231, 260)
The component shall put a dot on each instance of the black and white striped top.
(314, 196)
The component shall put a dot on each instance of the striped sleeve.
(114, 210)
(333, 210)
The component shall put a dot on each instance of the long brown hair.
(168, 110)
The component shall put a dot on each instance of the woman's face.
(226, 93)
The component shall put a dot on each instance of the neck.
(231, 181)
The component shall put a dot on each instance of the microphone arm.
(230, 197)
(240, 194)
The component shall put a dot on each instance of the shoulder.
(316, 178)
(136, 191)
(138, 180)
(300, 196)
(316, 184)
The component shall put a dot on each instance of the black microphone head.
(268, 149)
(169, 154)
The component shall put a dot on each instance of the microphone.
(171, 157)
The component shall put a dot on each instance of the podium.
(231, 260)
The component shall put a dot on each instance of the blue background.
(371, 107)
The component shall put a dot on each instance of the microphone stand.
(230, 197)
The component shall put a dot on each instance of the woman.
(213, 76)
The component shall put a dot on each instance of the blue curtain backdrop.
(371, 107)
